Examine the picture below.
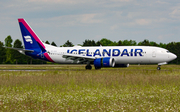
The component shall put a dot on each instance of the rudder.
(31, 40)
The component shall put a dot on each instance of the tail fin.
(31, 40)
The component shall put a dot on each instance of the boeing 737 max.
(102, 56)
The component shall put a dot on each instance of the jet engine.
(104, 62)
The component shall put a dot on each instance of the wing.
(78, 58)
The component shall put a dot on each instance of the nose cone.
(172, 56)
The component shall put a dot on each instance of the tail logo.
(28, 39)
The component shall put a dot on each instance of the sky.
(78, 20)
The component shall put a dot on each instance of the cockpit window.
(167, 51)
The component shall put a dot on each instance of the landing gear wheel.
(88, 67)
(158, 68)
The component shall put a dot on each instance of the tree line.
(10, 56)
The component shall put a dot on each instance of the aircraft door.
(153, 53)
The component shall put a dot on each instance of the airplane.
(99, 56)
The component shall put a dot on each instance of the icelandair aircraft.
(102, 56)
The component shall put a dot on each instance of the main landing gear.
(88, 67)
(159, 67)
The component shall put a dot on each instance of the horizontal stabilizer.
(21, 49)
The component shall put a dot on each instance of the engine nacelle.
(104, 62)
(121, 65)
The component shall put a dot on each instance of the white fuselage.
(121, 54)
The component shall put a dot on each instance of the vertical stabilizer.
(32, 41)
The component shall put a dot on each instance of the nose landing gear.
(159, 67)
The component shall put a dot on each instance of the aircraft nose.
(172, 56)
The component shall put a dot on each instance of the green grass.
(71, 88)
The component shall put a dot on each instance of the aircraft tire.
(88, 67)
(158, 68)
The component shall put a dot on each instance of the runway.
(21, 70)
(29, 70)
(33, 70)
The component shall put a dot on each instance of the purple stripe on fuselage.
(48, 57)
